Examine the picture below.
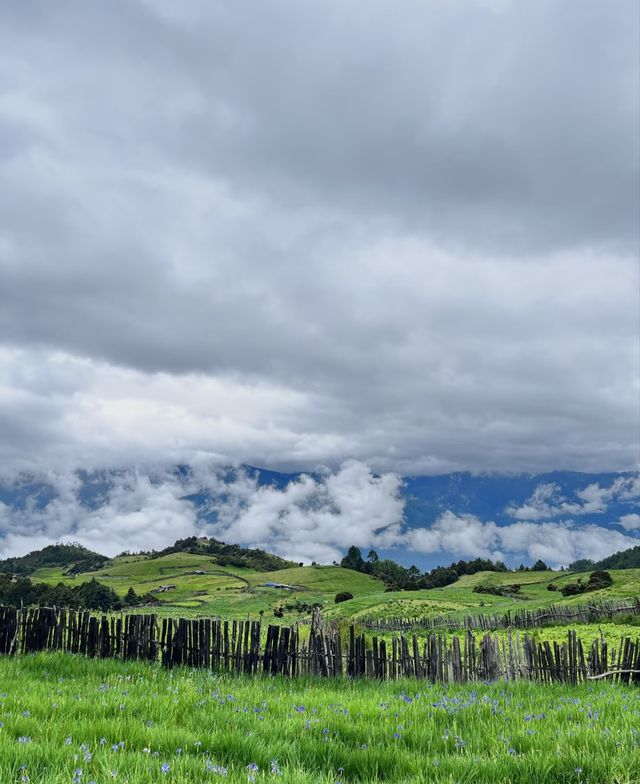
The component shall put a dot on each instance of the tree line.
(400, 578)
(91, 595)
(623, 559)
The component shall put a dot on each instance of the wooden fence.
(245, 647)
(553, 615)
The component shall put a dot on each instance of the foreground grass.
(73, 720)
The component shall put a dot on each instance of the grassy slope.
(460, 599)
(236, 592)
(67, 719)
(223, 590)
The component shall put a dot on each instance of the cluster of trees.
(624, 559)
(297, 606)
(597, 580)
(74, 558)
(90, 595)
(227, 554)
(399, 578)
(539, 566)
(511, 591)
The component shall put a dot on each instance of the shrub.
(599, 579)
(572, 589)
(343, 597)
(499, 590)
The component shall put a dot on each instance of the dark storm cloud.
(401, 232)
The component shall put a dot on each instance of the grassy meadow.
(232, 592)
(69, 720)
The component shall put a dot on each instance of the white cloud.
(311, 520)
(137, 514)
(304, 520)
(555, 543)
(631, 522)
(462, 535)
(546, 500)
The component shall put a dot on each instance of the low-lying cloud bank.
(311, 518)
(547, 501)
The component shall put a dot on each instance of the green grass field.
(222, 590)
(68, 720)
(459, 599)
(240, 593)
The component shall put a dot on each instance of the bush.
(552, 587)
(572, 589)
(499, 590)
(599, 579)
(344, 596)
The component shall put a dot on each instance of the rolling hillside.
(460, 599)
(204, 586)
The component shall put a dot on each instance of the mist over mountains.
(424, 520)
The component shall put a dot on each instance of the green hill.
(459, 598)
(227, 554)
(72, 558)
(196, 577)
(202, 585)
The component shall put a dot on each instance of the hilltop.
(71, 558)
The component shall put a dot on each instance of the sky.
(296, 234)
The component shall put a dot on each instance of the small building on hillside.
(279, 585)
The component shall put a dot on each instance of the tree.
(353, 559)
(372, 556)
(539, 566)
(131, 598)
(95, 596)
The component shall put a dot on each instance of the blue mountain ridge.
(489, 497)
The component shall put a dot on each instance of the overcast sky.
(291, 233)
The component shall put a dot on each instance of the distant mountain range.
(600, 502)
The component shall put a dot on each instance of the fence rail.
(555, 614)
(245, 647)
